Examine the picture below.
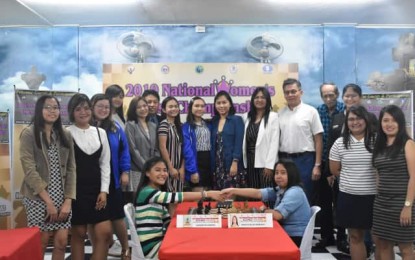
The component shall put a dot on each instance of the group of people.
(80, 177)
(368, 175)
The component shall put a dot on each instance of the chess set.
(225, 207)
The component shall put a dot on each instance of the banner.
(403, 99)
(5, 184)
(24, 107)
(186, 80)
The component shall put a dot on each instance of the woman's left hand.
(124, 179)
(406, 216)
(268, 174)
(101, 201)
(234, 169)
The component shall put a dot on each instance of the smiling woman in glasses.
(48, 162)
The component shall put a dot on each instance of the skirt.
(354, 211)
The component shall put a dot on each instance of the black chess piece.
(207, 208)
(219, 211)
(199, 207)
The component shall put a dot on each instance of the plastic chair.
(137, 251)
(306, 242)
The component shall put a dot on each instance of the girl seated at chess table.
(291, 206)
(151, 204)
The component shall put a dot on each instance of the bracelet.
(204, 194)
(317, 165)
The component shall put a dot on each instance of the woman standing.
(196, 146)
(49, 185)
(393, 213)
(116, 95)
(170, 142)
(351, 160)
(226, 144)
(92, 156)
(152, 216)
(352, 96)
(141, 136)
(261, 140)
(120, 168)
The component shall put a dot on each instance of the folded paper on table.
(250, 220)
(199, 221)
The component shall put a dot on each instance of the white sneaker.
(115, 249)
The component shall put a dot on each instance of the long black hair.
(145, 180)
(177, 121)
(253, 112)
(401, 137)
(225, 94)
(361, 112)
(39, 122)
(115, 91)
(107, 124)
(293, 174)
(190, 117)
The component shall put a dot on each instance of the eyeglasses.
(290, 92)
(80, 108)
(51, 108)
(354, 119)
(351, 96)
(102, 107)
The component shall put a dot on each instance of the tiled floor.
(329, 253)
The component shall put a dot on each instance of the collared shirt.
(298, 127)
(293, 206)
(357, 174)
(326, 119)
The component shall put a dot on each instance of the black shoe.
(343, 246)
(325, 242)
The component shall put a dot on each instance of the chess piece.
(207, 208)
(200, 207)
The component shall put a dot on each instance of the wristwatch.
(408, 203)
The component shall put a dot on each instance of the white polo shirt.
(298, 127)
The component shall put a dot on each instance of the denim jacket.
(293, 206)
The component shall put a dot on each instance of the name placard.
(199, 221)
(250, 220)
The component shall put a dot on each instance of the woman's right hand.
(51, 212)
(174, 173)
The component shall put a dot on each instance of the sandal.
(126, 254)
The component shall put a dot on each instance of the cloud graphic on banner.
(89, 84)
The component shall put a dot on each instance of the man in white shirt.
(301, 135)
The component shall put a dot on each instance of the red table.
(20, 244)
(226, 243)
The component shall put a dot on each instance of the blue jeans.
(305, 165)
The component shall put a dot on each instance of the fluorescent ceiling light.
(80, 2)
(323, 2)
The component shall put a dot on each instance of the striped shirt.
(203, 137)
(152, 217)
(357, 175)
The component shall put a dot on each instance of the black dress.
(255, 175)
(88, 187)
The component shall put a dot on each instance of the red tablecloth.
(226, 243)
(20, 244)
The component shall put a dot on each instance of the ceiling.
(149, 12)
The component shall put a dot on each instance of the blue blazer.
(232, 136)
(120, 154)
